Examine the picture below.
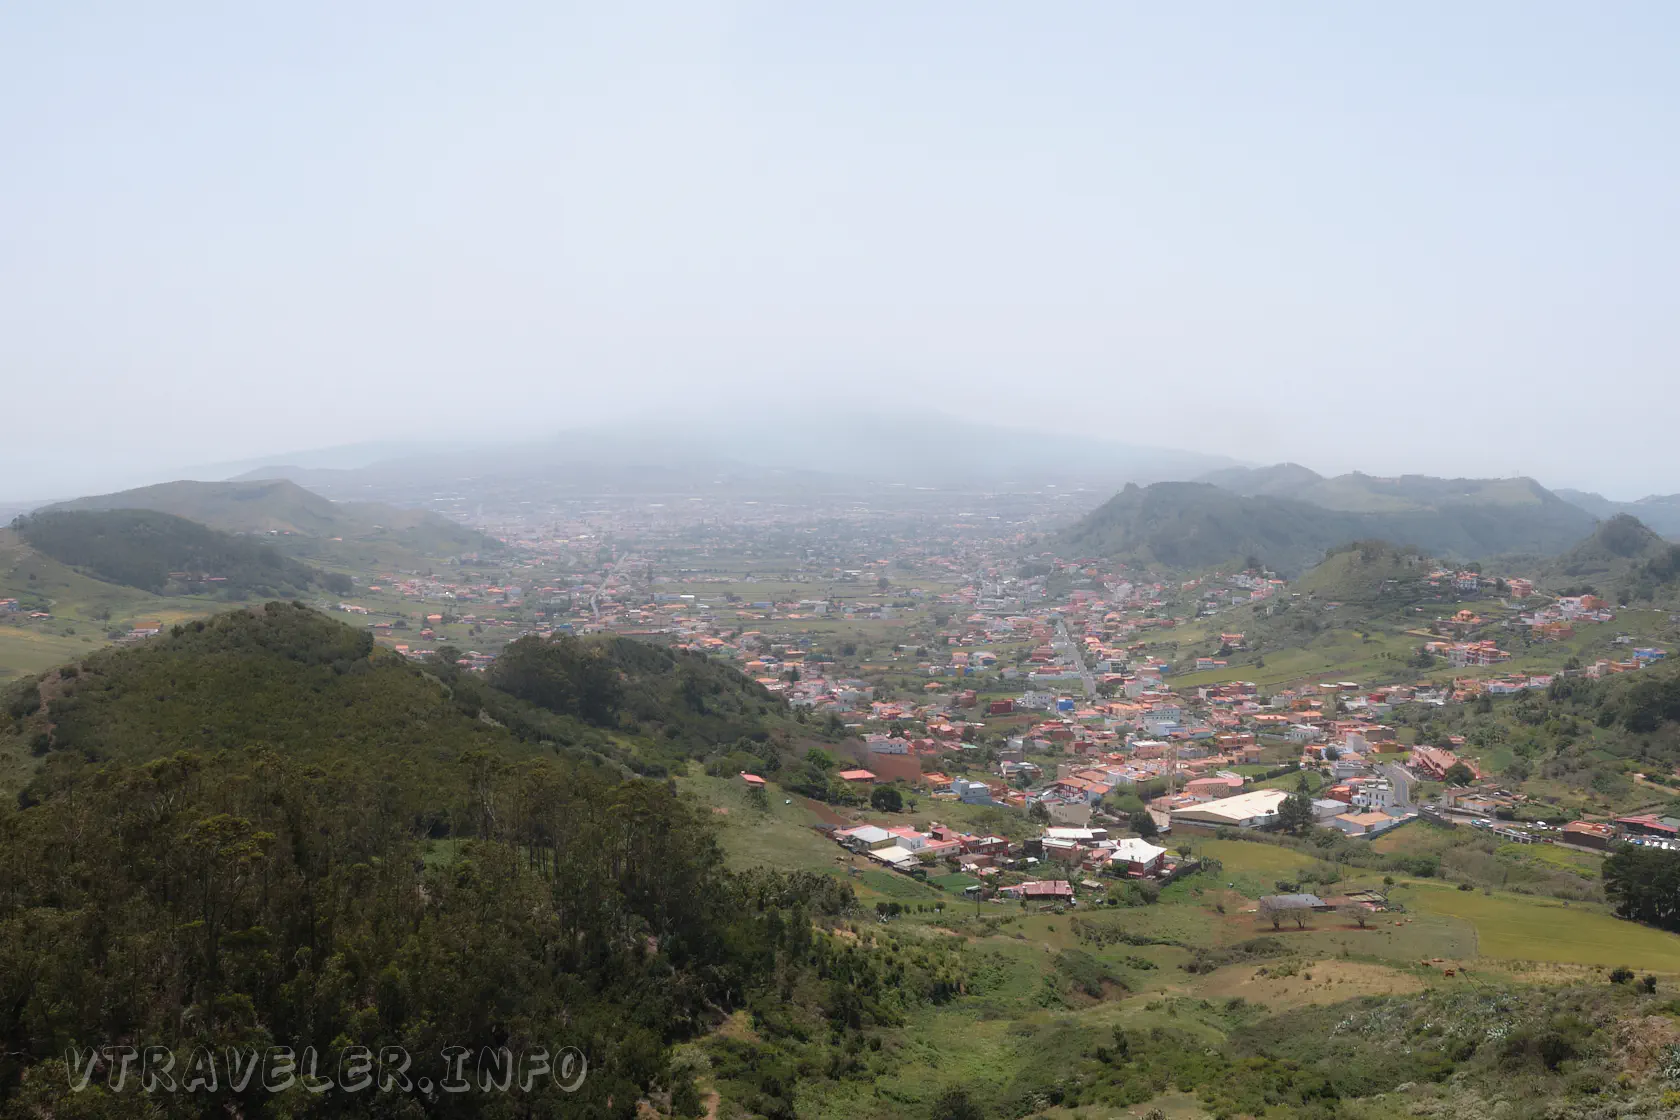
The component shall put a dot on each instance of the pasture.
(1518, 927)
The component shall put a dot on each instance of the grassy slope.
(83, 609)
(1004, 1029)
(1519, 927)
(1441, 920)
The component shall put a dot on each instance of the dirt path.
(826, 813)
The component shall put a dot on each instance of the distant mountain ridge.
(1358, 492)
(790, 453)
(282, 506)
(1199, 524)
(1659, 512)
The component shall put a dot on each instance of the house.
(1048, 889)
(1217, 786)
(909, 838)
(1064, 851)
(866, 837)
(856, 776)
(1325, 808)
(1434, 762)
(1667, 828)
(1362, 824)
(1077, 835)
(1588, 834)
(1373, 794)
(896, 856)
(971, 793)
(1136, 856)
(1245, 810)
(752, 781)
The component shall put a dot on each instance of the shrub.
(955, 1104)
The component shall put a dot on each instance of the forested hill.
(292, 680)
(1195, 525)
(279, 678)
(165, 554)
(258, 830)
(1623, 560)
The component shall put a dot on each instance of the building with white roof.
(1246, 810)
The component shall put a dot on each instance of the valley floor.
(1199, 964)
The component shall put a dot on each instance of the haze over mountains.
(1199, 524)
(769, 449)
(167, 555)
(1659, 512)
(1285, 514)
(283, 507)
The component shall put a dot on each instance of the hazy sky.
(1425, 237)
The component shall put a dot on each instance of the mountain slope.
(1195, 525)
(282, 506)
(1623, 559)
(1192, 525)
(261, 830)
(168, 555)
(279, 678)
(1281, 480)
(1357, 492)
(770, 451)
(40, 583)
(1659, 512)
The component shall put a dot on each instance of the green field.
(1248, 857)
(1332, 655)
(1517, 927)
(84, 610)
(25, 650)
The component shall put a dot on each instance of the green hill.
(1623, 559)
(1369, 573)
(284, 508)
(1357, 492)
(168, 555)
(1659, 512)
(1194, 525)
(40, 583)
(261, 830)
(281, 678)
(85, 611)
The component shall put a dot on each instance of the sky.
(1432, 238)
